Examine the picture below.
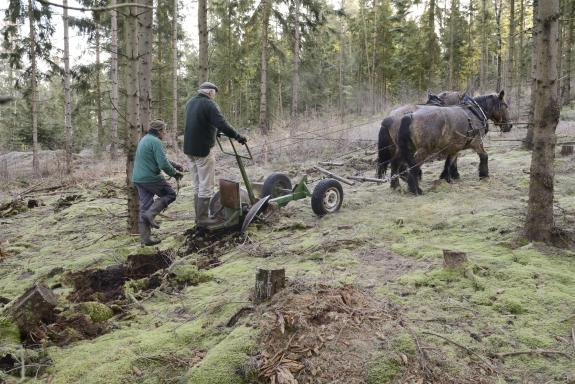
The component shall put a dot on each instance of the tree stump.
(566, 150)
(268, 283)
(454, 259)
(34, 307)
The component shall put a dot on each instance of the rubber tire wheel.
(323, 188)
(272, 182)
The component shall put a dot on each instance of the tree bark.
(509, 83)
(133, 128)
(431, 43)
(114, 80)
(203, 40)
(268, 283)
(341, 64)
(566, 88)
(295, 69)
(454, 5)
(498, 6)
(33, 92)
(264, 124)
(520, 67)
(540, 225)
(175, 74)
(145, 41)
(483, 62)
(101, 133)
(528, 143)
(67, 93)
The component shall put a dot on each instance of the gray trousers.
(147, 191)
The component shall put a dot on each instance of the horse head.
(496, 109)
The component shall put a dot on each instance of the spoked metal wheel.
(327, 197)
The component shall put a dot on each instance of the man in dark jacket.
(150, 160)
(203, 121)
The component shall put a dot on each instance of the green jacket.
(203, 121)
(150, 160)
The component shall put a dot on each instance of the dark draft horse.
(432, 130)
(388, 133)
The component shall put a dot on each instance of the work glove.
(178, 175)
(241, 139)
(177, 166)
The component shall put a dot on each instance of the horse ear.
(501, 94)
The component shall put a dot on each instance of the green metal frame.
(300, 191)
(241, 166)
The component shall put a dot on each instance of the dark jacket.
(150, 160)
(203, 121)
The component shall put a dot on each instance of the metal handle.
(250, 157)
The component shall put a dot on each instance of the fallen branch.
(539, 352)
(331, 163)
(469, 351)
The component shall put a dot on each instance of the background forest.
(346, 57)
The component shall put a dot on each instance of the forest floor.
(367, 298)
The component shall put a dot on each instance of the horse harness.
(477, 111)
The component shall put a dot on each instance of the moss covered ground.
(514, 296)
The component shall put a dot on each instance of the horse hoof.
(486, 177)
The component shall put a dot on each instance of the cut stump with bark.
(34, 307)
(454, 259)
(268, 283)
(566, 150)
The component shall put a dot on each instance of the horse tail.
(385, 147)
(404, 140)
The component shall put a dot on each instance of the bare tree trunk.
(203, 37)
(528, 143)
(498, 6)
(175, 74)
(133, 128)
(33, 92)
(520, 66)
(295, 70)
(145, 41)
(67, 95)
(511, 47)
(101, 133)
(484, 58)
(431, 43)
(264, 124)
(341, 64)
(373, 79)
(566, 88)
(454, 4)
(114, 76)
(540, 225)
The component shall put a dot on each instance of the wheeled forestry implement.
(238, 206)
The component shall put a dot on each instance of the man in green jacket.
(203, 121)
(150, 160)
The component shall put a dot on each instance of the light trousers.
(203, 171)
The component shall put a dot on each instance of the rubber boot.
(145, 235)
(202, 210)
(151, 213)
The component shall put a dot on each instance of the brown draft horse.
(431, 130)
(388, 133)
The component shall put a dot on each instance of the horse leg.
(483, 162)
(446, 175)
(407, 155)
(453, 172)
(394, 182)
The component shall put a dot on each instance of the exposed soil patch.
(305, 330)
(386, 266)
(107, 285)
(69, 328)
(210, 245)
(67, 201)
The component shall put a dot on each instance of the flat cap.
(208, 85)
